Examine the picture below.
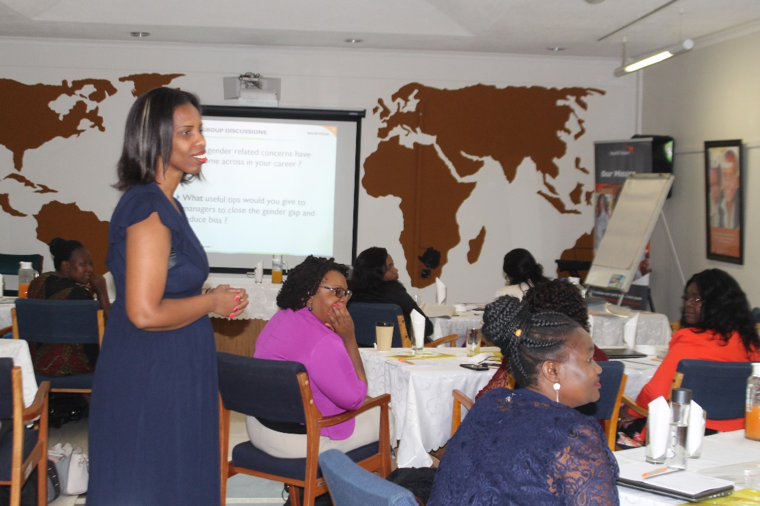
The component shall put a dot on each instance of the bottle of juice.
(25, 276)
(752, 415)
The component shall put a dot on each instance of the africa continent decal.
(433, 140)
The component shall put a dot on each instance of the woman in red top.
(716, 324)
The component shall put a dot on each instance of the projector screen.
(277, 181)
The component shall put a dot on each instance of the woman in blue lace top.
(529, 446)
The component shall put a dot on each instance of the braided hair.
(61, 249)
(304, 280)
(526, 339)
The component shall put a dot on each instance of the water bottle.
(752, 415)
(25, 276)
(680, 402)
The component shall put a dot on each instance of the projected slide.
(268, 188)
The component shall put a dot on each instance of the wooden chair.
(460, 399)
(718, 387)
(60, 322)
(23, 449)
(641, 410)
(607, 408)
(279, 391)
(9, 264)
(365, 315)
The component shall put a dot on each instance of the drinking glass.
(473, 341)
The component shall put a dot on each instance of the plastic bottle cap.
(25, 265)
(755, 368)
(681, 396)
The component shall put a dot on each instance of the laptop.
(618, 353)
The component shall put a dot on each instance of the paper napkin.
(418, 328)
(629, 331)
(696, 430)
(440, 291)
(658, 427)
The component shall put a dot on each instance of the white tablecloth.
(262, 298)
(457, 324)
(719, 451)
(421, 400)
(18, 350)
(652, 329)
(6, 304)
(639, 371)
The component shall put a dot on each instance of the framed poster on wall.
(724, 180)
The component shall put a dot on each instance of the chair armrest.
(369, 403)
(35, 409)
(5, 330)
(630, 403)
(451, 339)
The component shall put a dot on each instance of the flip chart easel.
(630, 228)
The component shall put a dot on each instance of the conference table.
(421, 401)
(727, 455)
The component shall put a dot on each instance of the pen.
(659, 471)
(406, 361)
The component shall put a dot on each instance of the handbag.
(73, 468)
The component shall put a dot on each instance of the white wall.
(710, 93)
(83, 167)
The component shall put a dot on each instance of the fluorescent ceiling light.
(641, 62)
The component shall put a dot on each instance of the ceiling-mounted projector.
(253, 90)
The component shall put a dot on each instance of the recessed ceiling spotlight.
(556, 49)
(139, 35)
(354, 41)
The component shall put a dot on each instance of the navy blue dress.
(516, 447)
(154, 432)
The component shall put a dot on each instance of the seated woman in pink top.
(314, 328)
(716, 324)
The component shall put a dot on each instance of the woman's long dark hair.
(148, 136)
(521, 267)
(369, 269)
(725, 308)
(526, 339)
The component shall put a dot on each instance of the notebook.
(682, 485)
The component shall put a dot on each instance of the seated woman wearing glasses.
(716, 324)
(529, 446)
(73, 279)
(374, 278)
(314, 328)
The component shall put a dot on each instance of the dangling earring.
(556, 389)
(311, 308)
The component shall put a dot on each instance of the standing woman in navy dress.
(154, 432)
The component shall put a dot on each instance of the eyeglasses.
(691, 300)
(339, 292)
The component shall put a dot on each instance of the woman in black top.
(374, 278)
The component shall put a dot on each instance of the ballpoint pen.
(659, 472)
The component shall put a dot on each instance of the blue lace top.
(517, 447)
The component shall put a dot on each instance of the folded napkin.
(418, 328)
(440, 291)
(259, 276)
(658, 427)
(629, 331)
(696, 430)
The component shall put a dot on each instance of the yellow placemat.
(421, 357)
(745, 496)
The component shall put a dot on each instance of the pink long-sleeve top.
(299, 336)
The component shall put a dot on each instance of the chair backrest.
(350, 485)
(366, 314)
(266, 389)
(6, 389)
(57, 321)
(612, 375)
(719, 387)
(9, 264)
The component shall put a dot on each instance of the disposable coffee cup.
(384, 335)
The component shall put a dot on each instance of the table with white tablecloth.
(421, 401)
(6, 304)
(18, 350)
(724, 455)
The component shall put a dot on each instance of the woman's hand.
(341, 323)
(99, 286)
(228, 301)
